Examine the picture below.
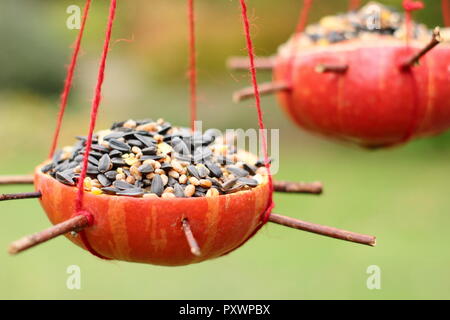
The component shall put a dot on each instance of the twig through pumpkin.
(264, 89)
(323, 230)
(19, 196)
(195, 248)
(414, 60)
(332, 68)
(75, 224)
(25, 179)
(298, 187)
(242, 63)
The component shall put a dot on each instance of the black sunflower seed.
(110, 190)
(146, 168)
(179, 191)
(118, 145)
(47, 167)
(202, 154)
(215, 183)
(164, 128)
(214, 169)
(104, 181)
(235, 188)
(139, 184)
(192, 170)
(149, 142)
(172, 181)
(118, 161)
(65, 177)
(248, 181)
(157, 185)
(228, 184)
(135, 143)
(99, 148)
(249, 168)
(224, 160)
(111, 175)
(122, 185)
(185, 158)
(166, 166)
(113, 135)
(180, 146)
(149, 151)
(92, 169)
(203, 171)
(79, 158)
(262, 163)
(143, 121)
(135, 192)
(93, 160)
(118, 124)
(105, 164)
(155, 157)
(115, 153)
(237, 172)
(199, 193)
(62, 166)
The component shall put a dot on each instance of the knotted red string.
(304, 14)
(410, 6)
(68, 80)
(94, 112)
(445, 4)
(192, 64)
(354, 5)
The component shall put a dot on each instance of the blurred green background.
(400, 195)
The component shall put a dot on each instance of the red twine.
(251, 56)
(69, 78)
(192, 64)
(94, 113)
(354, 4)
(410, 6)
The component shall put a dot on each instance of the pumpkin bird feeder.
(149, 192)
(372, 76)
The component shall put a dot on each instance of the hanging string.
(94, 112)
(251, 56)
(304, 14)
(354, 5)
(410, 6)
(266, 214)
(68, 80)
(192, 64)
(446, 12)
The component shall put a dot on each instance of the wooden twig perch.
(74, 224)
(298, 187)
(26, 179)
(195, 248)
(264, 89)
(325, 68)
(19, 196)
(242, 63)
(323, 230)
(414, 60)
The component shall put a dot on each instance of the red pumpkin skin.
(375, 103)
(150, 230)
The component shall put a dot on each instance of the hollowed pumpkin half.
(375, 103)
(149, 230)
